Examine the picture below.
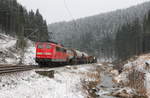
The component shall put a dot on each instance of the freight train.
(51, 53)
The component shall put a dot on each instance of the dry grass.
(119, 64)
(136, 81)
(90, 82)
(90, 88)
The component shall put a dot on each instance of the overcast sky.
(55, 10)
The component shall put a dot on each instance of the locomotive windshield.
(58, 49)
(40, 46)
(48, 46)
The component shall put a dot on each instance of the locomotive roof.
(51, 42)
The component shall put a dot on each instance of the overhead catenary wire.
(70, 14)
(68, 10)
(73, 20)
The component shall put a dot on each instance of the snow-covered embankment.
(136, 75)
(10, 55)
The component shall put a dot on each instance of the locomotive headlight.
(48, 53)
(39, 53)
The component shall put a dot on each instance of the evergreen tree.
(146, 35)
(15, 20)
(129, 40)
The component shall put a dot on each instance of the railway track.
(15, 68)
(20, 68)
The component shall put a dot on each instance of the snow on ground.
(9, 54)
(68, 82)
(139, 69)
(65, 84)
(30, 52)
(6, 41)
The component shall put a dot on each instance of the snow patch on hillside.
(30, 52)
(141, 66)
(10, 55)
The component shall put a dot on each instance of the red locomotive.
(52, 53)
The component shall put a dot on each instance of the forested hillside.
(15, 20)
(133, 38)
(118, 34)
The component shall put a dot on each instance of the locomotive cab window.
(64, 50)
(58, 49)
(40, 46)
(48, 46)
